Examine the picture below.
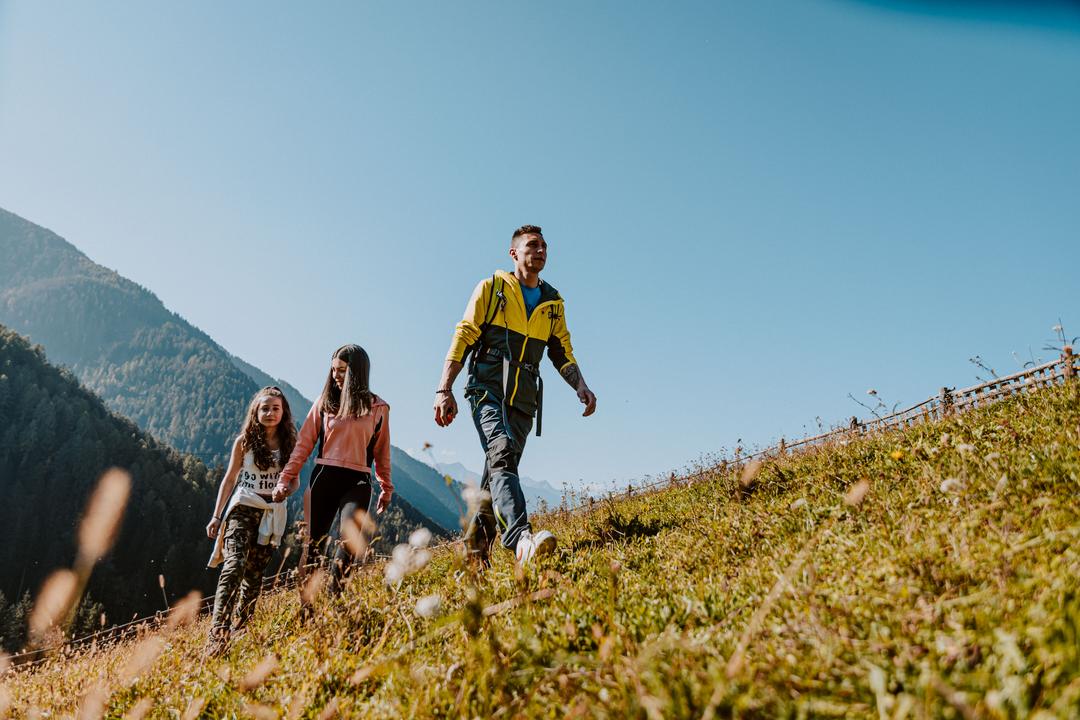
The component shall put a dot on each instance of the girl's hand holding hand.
(212, 528)
(279, 493)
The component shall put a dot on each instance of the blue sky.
(753, 209)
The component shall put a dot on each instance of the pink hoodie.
(347, 442)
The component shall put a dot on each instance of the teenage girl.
(254, 522)
(349, 427)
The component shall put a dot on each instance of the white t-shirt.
(253, 481)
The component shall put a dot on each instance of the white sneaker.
(538, 545)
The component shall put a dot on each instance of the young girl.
(254, 522)
(350, 428)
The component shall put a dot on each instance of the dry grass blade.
(259, 674)
(857, 493)
(5, 663)
(103, 514)
(93, 703)
(954, 698)
(194, 708)
(260, 711)
(353, 533)
(312, 585)
(519, 600)
(737, 660)
(331, 710)
(139, 710)
(140, 660)
(5, 700)
(184, 612)
(56, 599)
(363, 674)
(749, 474)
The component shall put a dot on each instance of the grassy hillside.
(928, 573)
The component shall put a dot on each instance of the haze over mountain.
(148, 363)
(535, 490)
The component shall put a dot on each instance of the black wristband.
(444, 392)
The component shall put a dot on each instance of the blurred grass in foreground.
(931, 572)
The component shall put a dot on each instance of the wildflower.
(473, 497)
(420, 538)
(405, 560)
(964, 448)
(801, 502)
(428, 606)
(394, 573)
(1056, 328)
(897, 454)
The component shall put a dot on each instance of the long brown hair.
(253, 433)
(355, 398)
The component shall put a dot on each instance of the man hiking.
(508, 322)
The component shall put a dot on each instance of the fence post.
(1067, 358)
(946, 400)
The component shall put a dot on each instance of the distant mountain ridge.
(148, 363)
(535, 490)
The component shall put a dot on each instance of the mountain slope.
(923, 573)
(56, 439)
(145, 362)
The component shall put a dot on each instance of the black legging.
(335, 489)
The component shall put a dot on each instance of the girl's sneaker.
(530, 546)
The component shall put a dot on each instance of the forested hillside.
(56, 439)
(147, 363)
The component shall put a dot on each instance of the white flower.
(965, 448)
(428, 606)
(473, 497)
(394, 573)
(801, 502)
(1056, 328)
(951, 485)
(420, 558)
(420, 537)
(401, 555)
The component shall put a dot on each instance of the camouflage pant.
(241, 576)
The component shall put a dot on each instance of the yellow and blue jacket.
(506, 344)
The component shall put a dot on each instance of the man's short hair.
(526, 230)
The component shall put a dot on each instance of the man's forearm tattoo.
(572, 375)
